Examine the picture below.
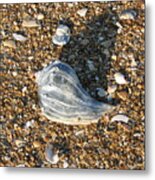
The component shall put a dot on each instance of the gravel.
(110, 43)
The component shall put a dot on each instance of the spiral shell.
(63, 99)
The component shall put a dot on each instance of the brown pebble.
(36, 144)
(123, 95)
(9, 43)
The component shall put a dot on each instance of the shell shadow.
(95, 44)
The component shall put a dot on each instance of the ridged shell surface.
(63, 99)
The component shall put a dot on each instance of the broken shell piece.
(50, 156)
(128, 14)
(120, 118)
(120, 78)
(62, 35)
(63, 99)
(19, 37)
(82, 12)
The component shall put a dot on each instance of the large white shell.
(62, 98)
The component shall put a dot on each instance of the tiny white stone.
(19, 37)
(82, 12)
(120, 79)
(101, 92)
(120, 118)
(29, 124)
(62, 35)
(24, 89)
(14, 73)
(50, 155)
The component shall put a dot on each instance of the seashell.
(128, 14)
(120, 78)
(19, 37)
(82, 12)
(120, 118)
(50, 156)
(63, 99)
(62, 35)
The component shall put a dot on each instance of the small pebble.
(123, 95)
(101, 92)
(9, 43)
(40, 16)
(30, 23)
(14, 73)
(29, 124)
(19, 143)
(51, 157)
(91, 65)
(19, 37)
(36, 144)
(62, 35)
(128, 14)
(112, 89)
(82, 12)
(120, 118)
(120, 78)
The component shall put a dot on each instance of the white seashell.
(62, 98)
(82, 12)
(120, 79)
(19, 37)
(50, 156)
(62, 35)
(120, 118)
(128, 14)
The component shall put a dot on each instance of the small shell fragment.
(50, 156)
(30, 23)
(120, 118)
(62, 35)
(82, 12)
(19, 37)
(63, 99)
(120, 78)
(128, 14)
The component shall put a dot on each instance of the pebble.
(123, 95)
(40, 16)
(91, 65)
(120, 118)
(14, 73)
(19, 143)
(30, 23)
(62, 35)
(50, 156)
(9, 43)
(36, 144)
(128, 14)
(101, 92)
(112, 89)
(29, 124)
(82, 12)
(120, 78)
(19, 37)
